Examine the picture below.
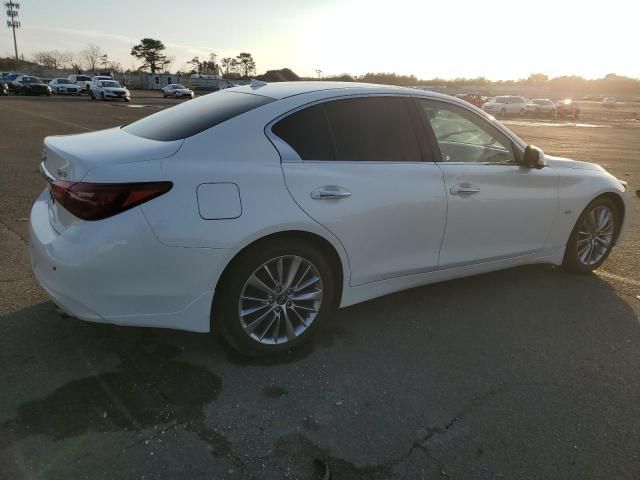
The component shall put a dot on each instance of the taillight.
(95, 201)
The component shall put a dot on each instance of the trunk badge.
(62, 172)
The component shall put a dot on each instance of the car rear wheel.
(102, 96)
(274, 297)
(592, 237)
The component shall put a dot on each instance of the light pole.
(13, 22)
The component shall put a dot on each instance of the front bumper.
(116, 271)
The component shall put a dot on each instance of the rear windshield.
(195, 116)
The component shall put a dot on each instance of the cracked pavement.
(526, 373)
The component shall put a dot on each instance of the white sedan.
(505, 105)
(64, 86)
(106, 89)
(259, 209)
(541, 106)
(176, 90)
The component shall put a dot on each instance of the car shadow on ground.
(435, 351)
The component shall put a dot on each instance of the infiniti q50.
(258, 210)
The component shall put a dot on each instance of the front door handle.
(329, 192)
(464, 188)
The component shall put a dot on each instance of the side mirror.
(533, 157)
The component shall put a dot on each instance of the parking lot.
(526, 373)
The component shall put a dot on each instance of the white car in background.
(64, 86)
(541, 106)
(176, 90)
(258, 210)
(83, 81)
(609, 101)
(505, 105)
(108, 90)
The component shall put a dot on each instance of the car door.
(497, 208)
(358, 166)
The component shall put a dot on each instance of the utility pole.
(13, 22)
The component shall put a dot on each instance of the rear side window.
(358, 129)
(195, 116)
(307, 132)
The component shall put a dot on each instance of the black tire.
(572, 261)
(226, 315)
(104, 99)
(93, 97)
(127, 100)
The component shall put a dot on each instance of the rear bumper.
(116, 271)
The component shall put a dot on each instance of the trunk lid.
(71, 157)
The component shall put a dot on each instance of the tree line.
(149, 52)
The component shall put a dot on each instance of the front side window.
(374, 129)
(463, 136)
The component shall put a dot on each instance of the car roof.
(280, 90)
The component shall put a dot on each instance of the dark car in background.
(568, 108)
(10, 79)
(28, 85)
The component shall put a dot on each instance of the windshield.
(64, 81)
(31, 80)
(111, 83)
(178, 86)
(195, 116)
(501, 100)
(82, 78)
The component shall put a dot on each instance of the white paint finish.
(219, 201)
(79, 153)
(391, 225)
(511, 214)
(159, 264)
(116, 268)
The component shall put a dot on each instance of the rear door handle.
(329, 192)
(464, 188)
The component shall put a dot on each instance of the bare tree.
(52, 59)
(90, 56)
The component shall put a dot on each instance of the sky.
(496, 39)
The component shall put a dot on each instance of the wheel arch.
(620, 206)
(339, 263)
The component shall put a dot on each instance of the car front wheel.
(274, 297)
(592, 237)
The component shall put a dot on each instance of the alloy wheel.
(280, 300)
(595, 235)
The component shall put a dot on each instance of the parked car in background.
(609, 102)
(472, 98)
(177, 91)
(64, 86)
(83, 81)
(246, 211)
(568, 107)
(541, 106)
(108, 90)
(29, 85)
(4, 88)
(10, 79)
(506, 105)
(4, 74)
